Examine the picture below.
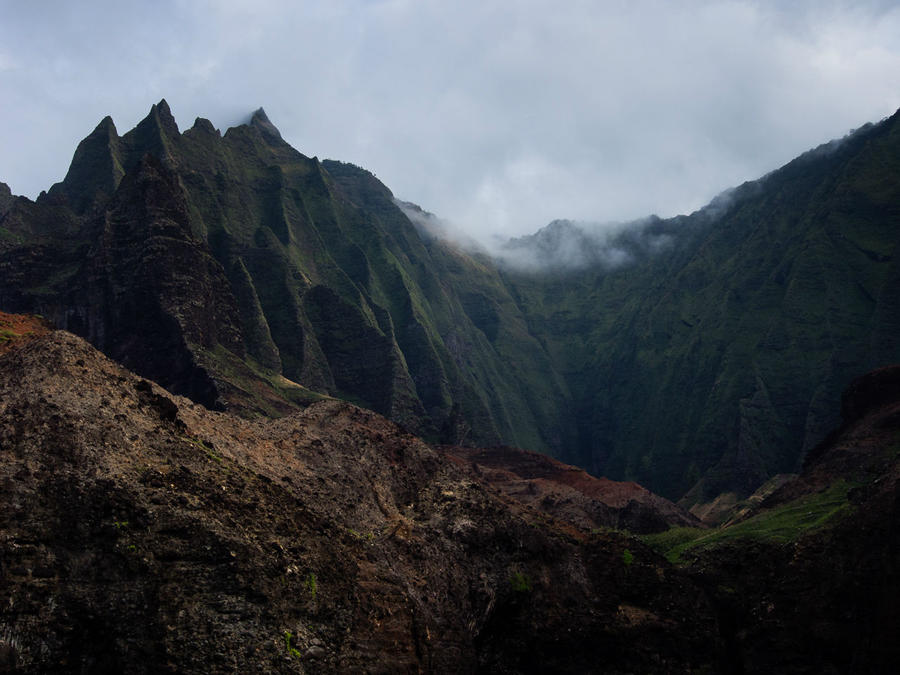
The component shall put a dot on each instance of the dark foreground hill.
(810, 582)
(142, 533)
(698, 355)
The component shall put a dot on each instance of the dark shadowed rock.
(813, 584)
(141, 533)
(6, 198)
(259, 120)
(869, 392)
(203, 125)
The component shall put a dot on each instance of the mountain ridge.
(802, 262)
(312, 272)
(297, 245)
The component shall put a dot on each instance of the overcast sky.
(499, 116)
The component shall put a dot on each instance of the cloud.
(497, 116)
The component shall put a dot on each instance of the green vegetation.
(311, 584)
(520, 582)
(781, 524)
(293, 651)
(6, 235)
(627, 557)
(208, 451)
(368, 537)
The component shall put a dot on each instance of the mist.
(500, 118)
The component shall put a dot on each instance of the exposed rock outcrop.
(142, 533)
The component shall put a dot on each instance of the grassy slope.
(782, 524)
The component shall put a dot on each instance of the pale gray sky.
(498, 116)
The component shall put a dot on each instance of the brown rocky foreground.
(569, 493)
(18, 328)
(142, 533)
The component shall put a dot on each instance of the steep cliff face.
(137, 283)
(255, 262)
(142, 533)
(752, 314)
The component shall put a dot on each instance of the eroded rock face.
(143, 533)
(245, 259)
(699, 355)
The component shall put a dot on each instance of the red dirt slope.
(569, 493)
(18, 328)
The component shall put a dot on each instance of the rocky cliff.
(220, 266)
(144, 533)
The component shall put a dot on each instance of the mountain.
(752, 314)
(564, 245)
(232, 269)
(699, 355)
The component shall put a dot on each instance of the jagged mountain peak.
(261, 121)
(95, 170)
(204, 125)
(162, 108)
(106, 126)
(161, 115)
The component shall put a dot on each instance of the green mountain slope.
(722, 358)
